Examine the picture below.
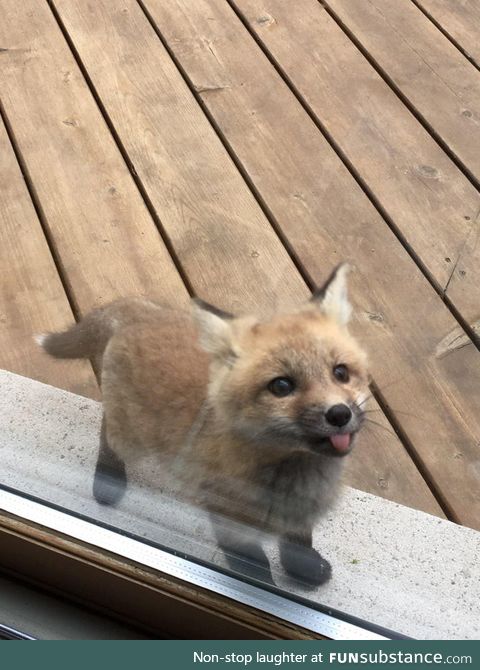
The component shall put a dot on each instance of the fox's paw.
(304, 564)
(109, 485)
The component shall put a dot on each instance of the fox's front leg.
(110, 480)
(242, 548)
(301, 561)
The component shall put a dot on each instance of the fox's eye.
(340, 372)
(281, 386)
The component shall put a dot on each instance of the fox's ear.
(332, 297)
(215, 329)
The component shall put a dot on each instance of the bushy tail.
(86, 339)
(89, 337)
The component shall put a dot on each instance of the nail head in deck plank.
(414, 181)
(323, 213)
(106, 240)
(32, 299)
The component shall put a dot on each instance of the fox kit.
(251, 417)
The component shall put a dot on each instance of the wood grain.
(435, 77)
(431, 202)
(234, 258)
(460, 19)
(325, 216)
(98, 222)
(72, 21)
(32, 299)
(223, 240)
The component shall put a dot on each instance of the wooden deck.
(237, 150)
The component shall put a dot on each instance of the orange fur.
(194, 389)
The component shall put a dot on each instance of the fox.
(251, 416)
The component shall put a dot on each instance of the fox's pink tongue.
(340, 442)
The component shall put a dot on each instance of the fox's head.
(298, 377)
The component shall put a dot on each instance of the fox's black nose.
(339, 415)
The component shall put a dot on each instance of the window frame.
(153, 599)
(155, 602)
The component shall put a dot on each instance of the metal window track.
(178, 567)
(9, 633)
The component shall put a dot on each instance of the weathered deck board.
(227, 247)
(224, 242)
(430, 201)
(433, 75)
(102, 231)
(460, 19)
(32, 299)
(108, 245)
(325, 215)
